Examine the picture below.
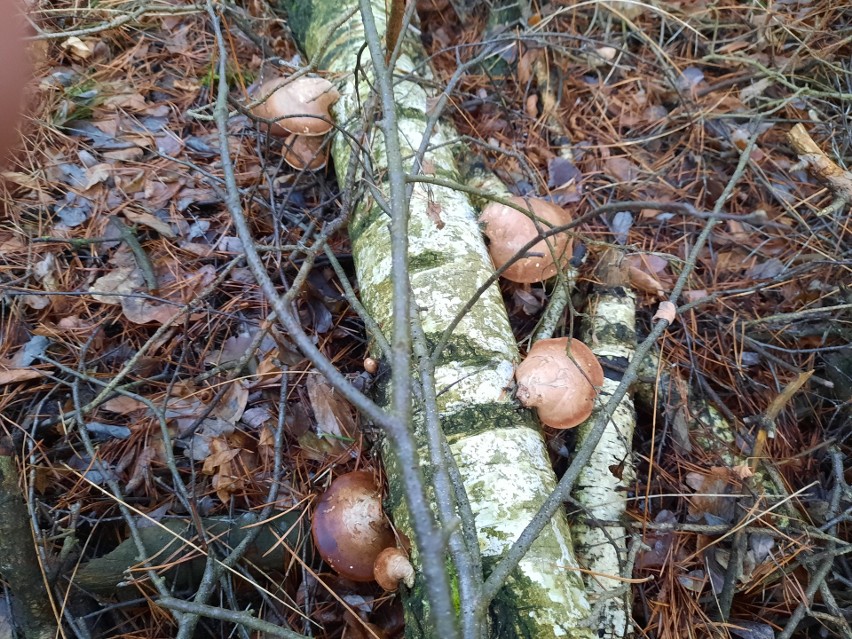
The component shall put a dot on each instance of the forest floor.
(142, 379)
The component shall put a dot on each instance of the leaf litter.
(654, 113)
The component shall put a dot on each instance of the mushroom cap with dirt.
(508, 230)
(349, 527)
(561, 387)
(300, 106)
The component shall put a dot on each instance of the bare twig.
(118, 21)
(245, 619)
(823, 168)
(463, 550)
(430, 544)
(818, 576)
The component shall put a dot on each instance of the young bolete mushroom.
(561, 387)
(349, 526)
(300, 110)
(391, 567)
(508, 229)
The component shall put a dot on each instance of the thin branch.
(463, 551)
(241, 618)
(116, 22)
(818, 577)
(430, 544)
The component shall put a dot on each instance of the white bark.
(499, 450)
(601, 547)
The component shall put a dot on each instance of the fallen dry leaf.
(77, 48)
(645, 282)
(21, 179)
(13, 375)
(433, 212)
(666, 311)
(622, 169)
(122, 405)
(124, 280)
(151, 221)
(232, 406)
(333, 414)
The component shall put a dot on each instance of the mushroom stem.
(391, 567)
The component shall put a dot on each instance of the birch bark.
(499, 450)
(608, 329)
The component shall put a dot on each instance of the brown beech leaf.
(13, 375)
(433, 212)
(646, 282)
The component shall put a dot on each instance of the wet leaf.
(332, 412)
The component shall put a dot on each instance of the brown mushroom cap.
(298, 106)
(508, 229)
(391, 567)
(551, 382)
(371, 365)
(349, 526)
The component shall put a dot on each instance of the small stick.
(394, 27)
(767, 422)
(823, 168)
(142, 259)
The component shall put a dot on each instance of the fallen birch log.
(499, 450)
(608, 328)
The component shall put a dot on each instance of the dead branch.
(823, 168)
